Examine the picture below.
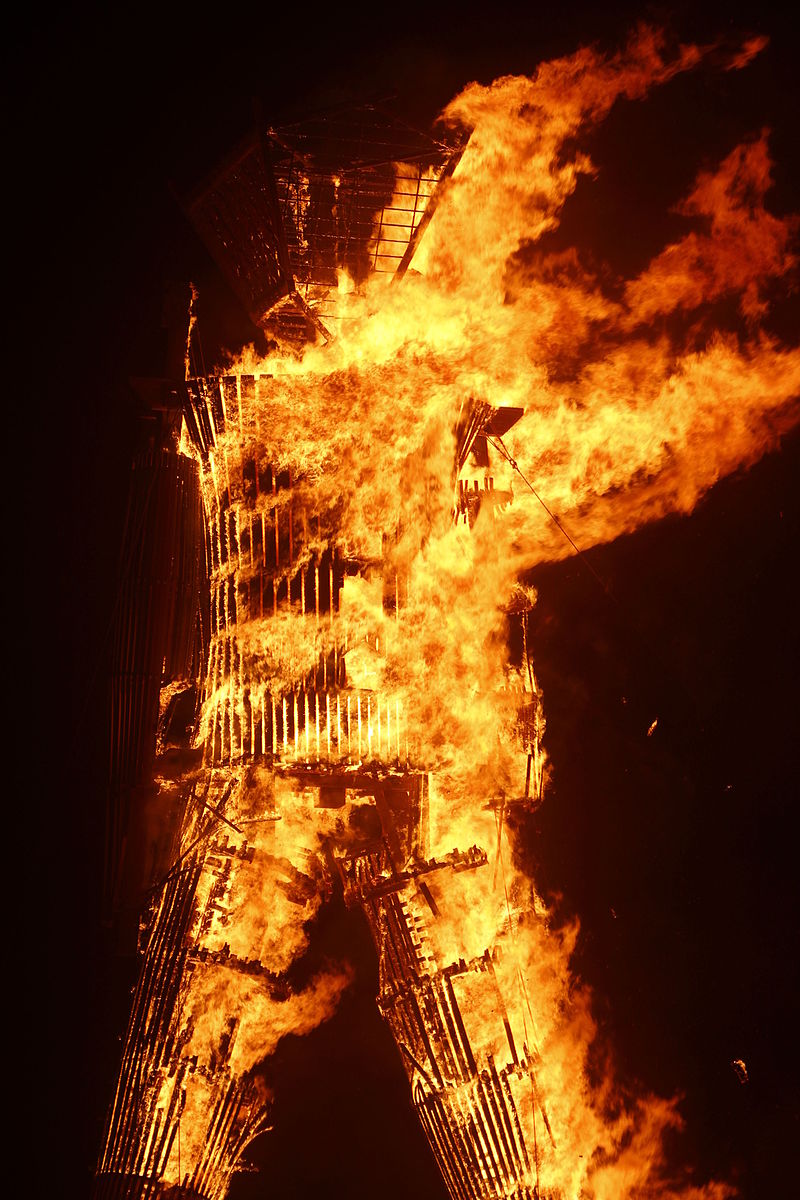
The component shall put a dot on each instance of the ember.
(313, 656)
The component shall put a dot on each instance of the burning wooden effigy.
(313, 667)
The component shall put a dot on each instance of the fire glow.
(366, 529)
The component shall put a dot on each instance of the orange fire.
(634, 406)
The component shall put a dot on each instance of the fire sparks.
(740, 1067)
(367, 520)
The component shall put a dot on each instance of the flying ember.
(324, 678)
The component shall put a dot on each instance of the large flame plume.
(635, 406)
(636, 403)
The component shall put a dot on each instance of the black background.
(677, 851)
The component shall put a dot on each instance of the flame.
(634, 424)
(635, 404)
(626, 419)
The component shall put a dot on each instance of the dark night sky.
(689, 836)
